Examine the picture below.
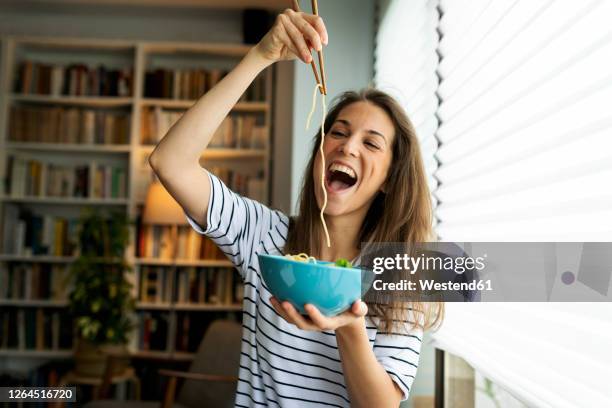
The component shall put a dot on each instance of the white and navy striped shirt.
(281, 365)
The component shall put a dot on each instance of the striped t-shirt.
(281, 365)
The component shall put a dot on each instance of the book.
(73, 79)
(48, 124)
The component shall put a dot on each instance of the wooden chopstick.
(322, 89)
(315, 11)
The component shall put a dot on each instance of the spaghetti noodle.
(302, 257)
(323, 113)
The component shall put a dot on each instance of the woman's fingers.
(307, 29)
(359, 308)
(315, 21)
(296, 36)
(321, 321)
(288, 312)
(279, 309)
(317, 320)
(318, 24)
(297, 318)
(284, 38)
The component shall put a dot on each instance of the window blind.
(525, 150)
(525, 154)
(553, 355)
(405, 67)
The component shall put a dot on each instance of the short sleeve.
(239, 225)
(399, 354)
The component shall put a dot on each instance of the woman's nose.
(350, 146)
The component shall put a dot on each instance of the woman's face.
(358, 151)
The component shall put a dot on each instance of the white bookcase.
(132, 156)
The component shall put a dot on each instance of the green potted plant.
(101, 299)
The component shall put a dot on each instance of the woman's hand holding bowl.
(316, 321)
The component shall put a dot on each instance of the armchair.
(211, 379)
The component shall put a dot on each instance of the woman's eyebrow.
(372, 131)
(344, 122)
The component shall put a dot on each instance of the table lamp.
(161, 209)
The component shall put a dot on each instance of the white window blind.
(554, 355)
(525, 153)
(405, 67)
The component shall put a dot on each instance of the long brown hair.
(403, 213)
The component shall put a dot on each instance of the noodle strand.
(302, 257)
(323, 113)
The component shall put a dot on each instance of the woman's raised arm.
(175, 159)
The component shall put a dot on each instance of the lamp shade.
(161, 209)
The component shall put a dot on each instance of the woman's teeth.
(342, 168)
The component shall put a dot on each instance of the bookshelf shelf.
(96, 101)
(163, 355)
(152, 306)
(33, 303)
(67, 200)
(36, 258)
(198, 307)
(55, 354)
(213, 263)
(224, 50)
(68, 147)
(220, 153)
(69, 43)
(185, 104)
(189, 307)
(233, 153)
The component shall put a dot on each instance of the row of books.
(154, 333)
(215, 286)
(179, 83)
(242, 132)
(35, 329)
(155, 241)
(74, 80)
(35, 178)
(68, 125)
(25, 233)
(191, 84)
(247, 185)
(34, 281)
(190, 285)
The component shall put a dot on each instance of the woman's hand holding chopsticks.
(293, 35)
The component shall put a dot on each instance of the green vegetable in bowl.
(343, 263)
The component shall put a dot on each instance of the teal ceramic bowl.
(330, 288)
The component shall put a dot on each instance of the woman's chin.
(338, 206)
(338, 202)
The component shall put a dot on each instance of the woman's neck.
(344, 236)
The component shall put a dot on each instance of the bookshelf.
(79, 119)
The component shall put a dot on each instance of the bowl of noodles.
(299, 279)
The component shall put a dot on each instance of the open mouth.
(340, 177)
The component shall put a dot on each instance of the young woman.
(376, 192)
